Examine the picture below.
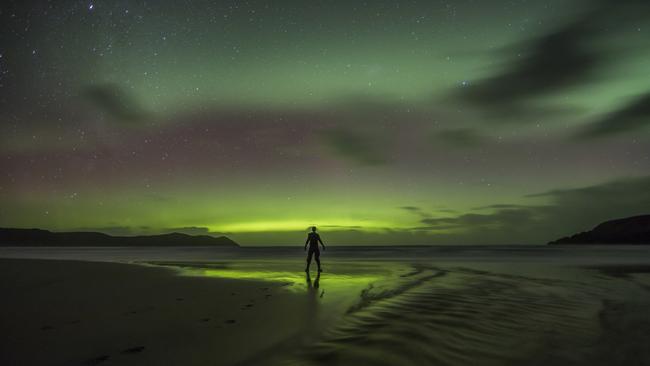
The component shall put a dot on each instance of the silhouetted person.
(313, 239)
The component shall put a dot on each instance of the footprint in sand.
(100, 359)
(205, 319)
(133, 350)
(97, 360)
(230, 321)
(247, 306)
(139, 310)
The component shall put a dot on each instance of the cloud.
(460, 137)
(622, 194)
(633, 116)
(355, 146)
(346, 227)
(416, 211)
(419, 211)
(570, 56)
(568, 211)
(555, 61)
(498, 206)
(411, 208)
(115, 101)
(502, 218)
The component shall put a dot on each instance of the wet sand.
(379, 311)
(91, 313)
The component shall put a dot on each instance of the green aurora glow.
(368, 119)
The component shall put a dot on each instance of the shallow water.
(438, 305)
(464, 313)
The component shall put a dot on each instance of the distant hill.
(631, 230)
(37, 237)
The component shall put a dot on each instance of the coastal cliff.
(630, 230)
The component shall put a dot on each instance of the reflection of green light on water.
(332, 280)
(273, 276)
(342, 281)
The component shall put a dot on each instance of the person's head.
(313, 229)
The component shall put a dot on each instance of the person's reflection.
(312, 287)
(312, 310)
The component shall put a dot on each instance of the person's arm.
(321, 242)
(306, 241)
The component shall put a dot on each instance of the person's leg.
(309, 259)
(317, 255)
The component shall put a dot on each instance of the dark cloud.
(355, 146)
(116, 102)
(633, 193)
(498, 206)
(460, 137)
(570, 56)
(416, 210)
(411, 208)
(568, 211)
(555, 61)
(347, 227)
(633, 116)
(502, 218)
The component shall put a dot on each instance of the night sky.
(381, 122)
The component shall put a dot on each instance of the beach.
(76, 313)
(371, 306)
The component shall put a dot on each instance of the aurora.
(380, 122)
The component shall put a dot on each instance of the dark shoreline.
(10, 237)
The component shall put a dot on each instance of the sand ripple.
(458, 316)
